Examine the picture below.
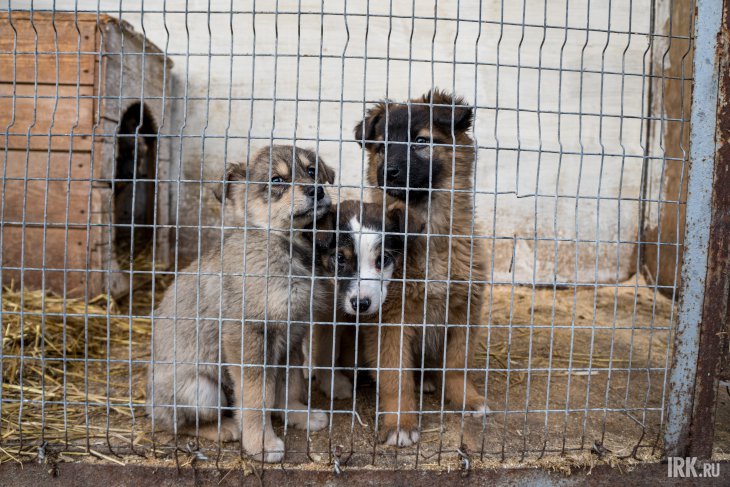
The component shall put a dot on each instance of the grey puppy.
(232, 308)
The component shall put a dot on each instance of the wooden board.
(36, 44)
(55, 248)
(22, 109)
(63, 195)
(49, 70)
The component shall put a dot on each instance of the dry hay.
(64, 333)
(71, 335)
(100, 329)
(632, 305)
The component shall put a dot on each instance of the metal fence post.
(704, 295)
(714, 337)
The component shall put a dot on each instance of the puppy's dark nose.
(315, 190)
(392, 173)
(362, 304)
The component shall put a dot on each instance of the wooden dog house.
(82, 107)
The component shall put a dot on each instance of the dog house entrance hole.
(134, 185)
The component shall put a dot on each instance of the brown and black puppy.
(368, 268)
(230, 321)
(421, 154)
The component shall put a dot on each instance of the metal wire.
(579, 142)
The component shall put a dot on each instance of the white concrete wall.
(526, 147)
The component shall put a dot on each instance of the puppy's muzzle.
(394, 171)
(316, 196)
(393, 175)
(315, 190)
(360, 304)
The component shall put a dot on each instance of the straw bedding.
(94, 363)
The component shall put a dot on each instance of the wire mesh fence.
(342, 234)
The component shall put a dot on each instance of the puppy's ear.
(327, 172)
(456, 109)
(366, 130)
(398, 215)
(235, 171)
(323, 233)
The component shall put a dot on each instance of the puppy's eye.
(422, 140)
(340, 260)
(277, 180)
(312, 171)
(384, 262)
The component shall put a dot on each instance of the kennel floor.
(571, 372)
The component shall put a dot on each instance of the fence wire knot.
(197, 454)
(464, 462)
(42, 451)
(337, 452)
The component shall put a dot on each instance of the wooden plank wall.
(47, 74)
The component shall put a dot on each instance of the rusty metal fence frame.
(701, 337)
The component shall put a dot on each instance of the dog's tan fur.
(451, 213)
(187, 384)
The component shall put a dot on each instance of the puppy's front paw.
(479, 410)
(230, 430)
(317, 420)
(342, 386)
(273, 448)
(400, 433)
(401, 437)
(429, 386)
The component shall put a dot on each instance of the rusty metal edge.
(683, 372)
(713, 328)
(111, 475)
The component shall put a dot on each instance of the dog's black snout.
(361, 304)
(315, 190)
(393, 172)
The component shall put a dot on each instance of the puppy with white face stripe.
(369, 251)
(372, 243)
